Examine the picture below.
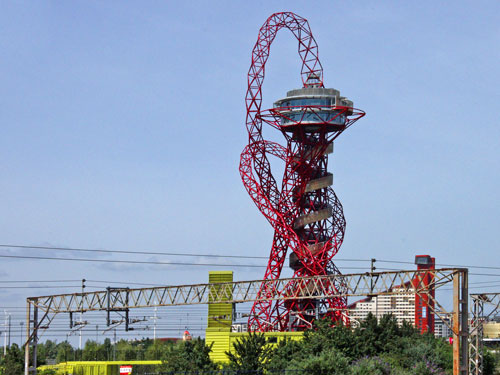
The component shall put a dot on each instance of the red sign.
(125, 370)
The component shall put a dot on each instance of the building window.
(393, 303)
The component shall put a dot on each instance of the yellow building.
(95, 367)
(220, 318)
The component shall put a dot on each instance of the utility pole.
(9, 330)
(5, 334)
(81, 317)
(154, 327)
(372, 270)
(21, 323)
(96, 329)
(114, 345)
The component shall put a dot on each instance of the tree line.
(375, 347)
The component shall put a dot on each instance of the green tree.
(47, 352)
(125, 351)
(65, 352)
(156, 350)
(374, 347)
(372, 366)
(488, 362)
(324, 337)
(188, 356)
(13, 361)
(286, 351)
(250, 353)
(47, 372)
(329, 361)
(107, 348)
(93, 351)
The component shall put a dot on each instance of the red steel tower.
(304, 211)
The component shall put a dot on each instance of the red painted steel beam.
(286, 208)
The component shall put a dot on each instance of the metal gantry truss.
(42, 310)
(476, 333)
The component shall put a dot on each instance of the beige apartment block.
(400, 303)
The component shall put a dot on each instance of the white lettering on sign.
(125, 370)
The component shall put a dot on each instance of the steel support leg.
(460, 323)
(35, 339)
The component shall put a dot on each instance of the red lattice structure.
(304, 211)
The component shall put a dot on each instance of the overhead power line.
(146, 262)
(152, 252)
(131, 261)
(440, 264)
(210, 255)
(39, 281)
(129, 252)
(50, 286)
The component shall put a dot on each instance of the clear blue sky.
(122, 124)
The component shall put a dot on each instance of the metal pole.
(154, 327)
(478, 315)
(5, 336)
(479, 336)
(474, 357)
(456, 324)
(372, 270)
(35, 338)
(21, 324)
(27, 344)
(460, 322)
(464, 325)
(9, 330)
(96, 346)
(81, 318)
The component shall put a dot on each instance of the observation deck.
(313, 109)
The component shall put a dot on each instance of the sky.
(122, 125)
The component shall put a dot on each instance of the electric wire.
(89, 260)
(131, 261)
(15, 246)
(152, 252)
(439, 264)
